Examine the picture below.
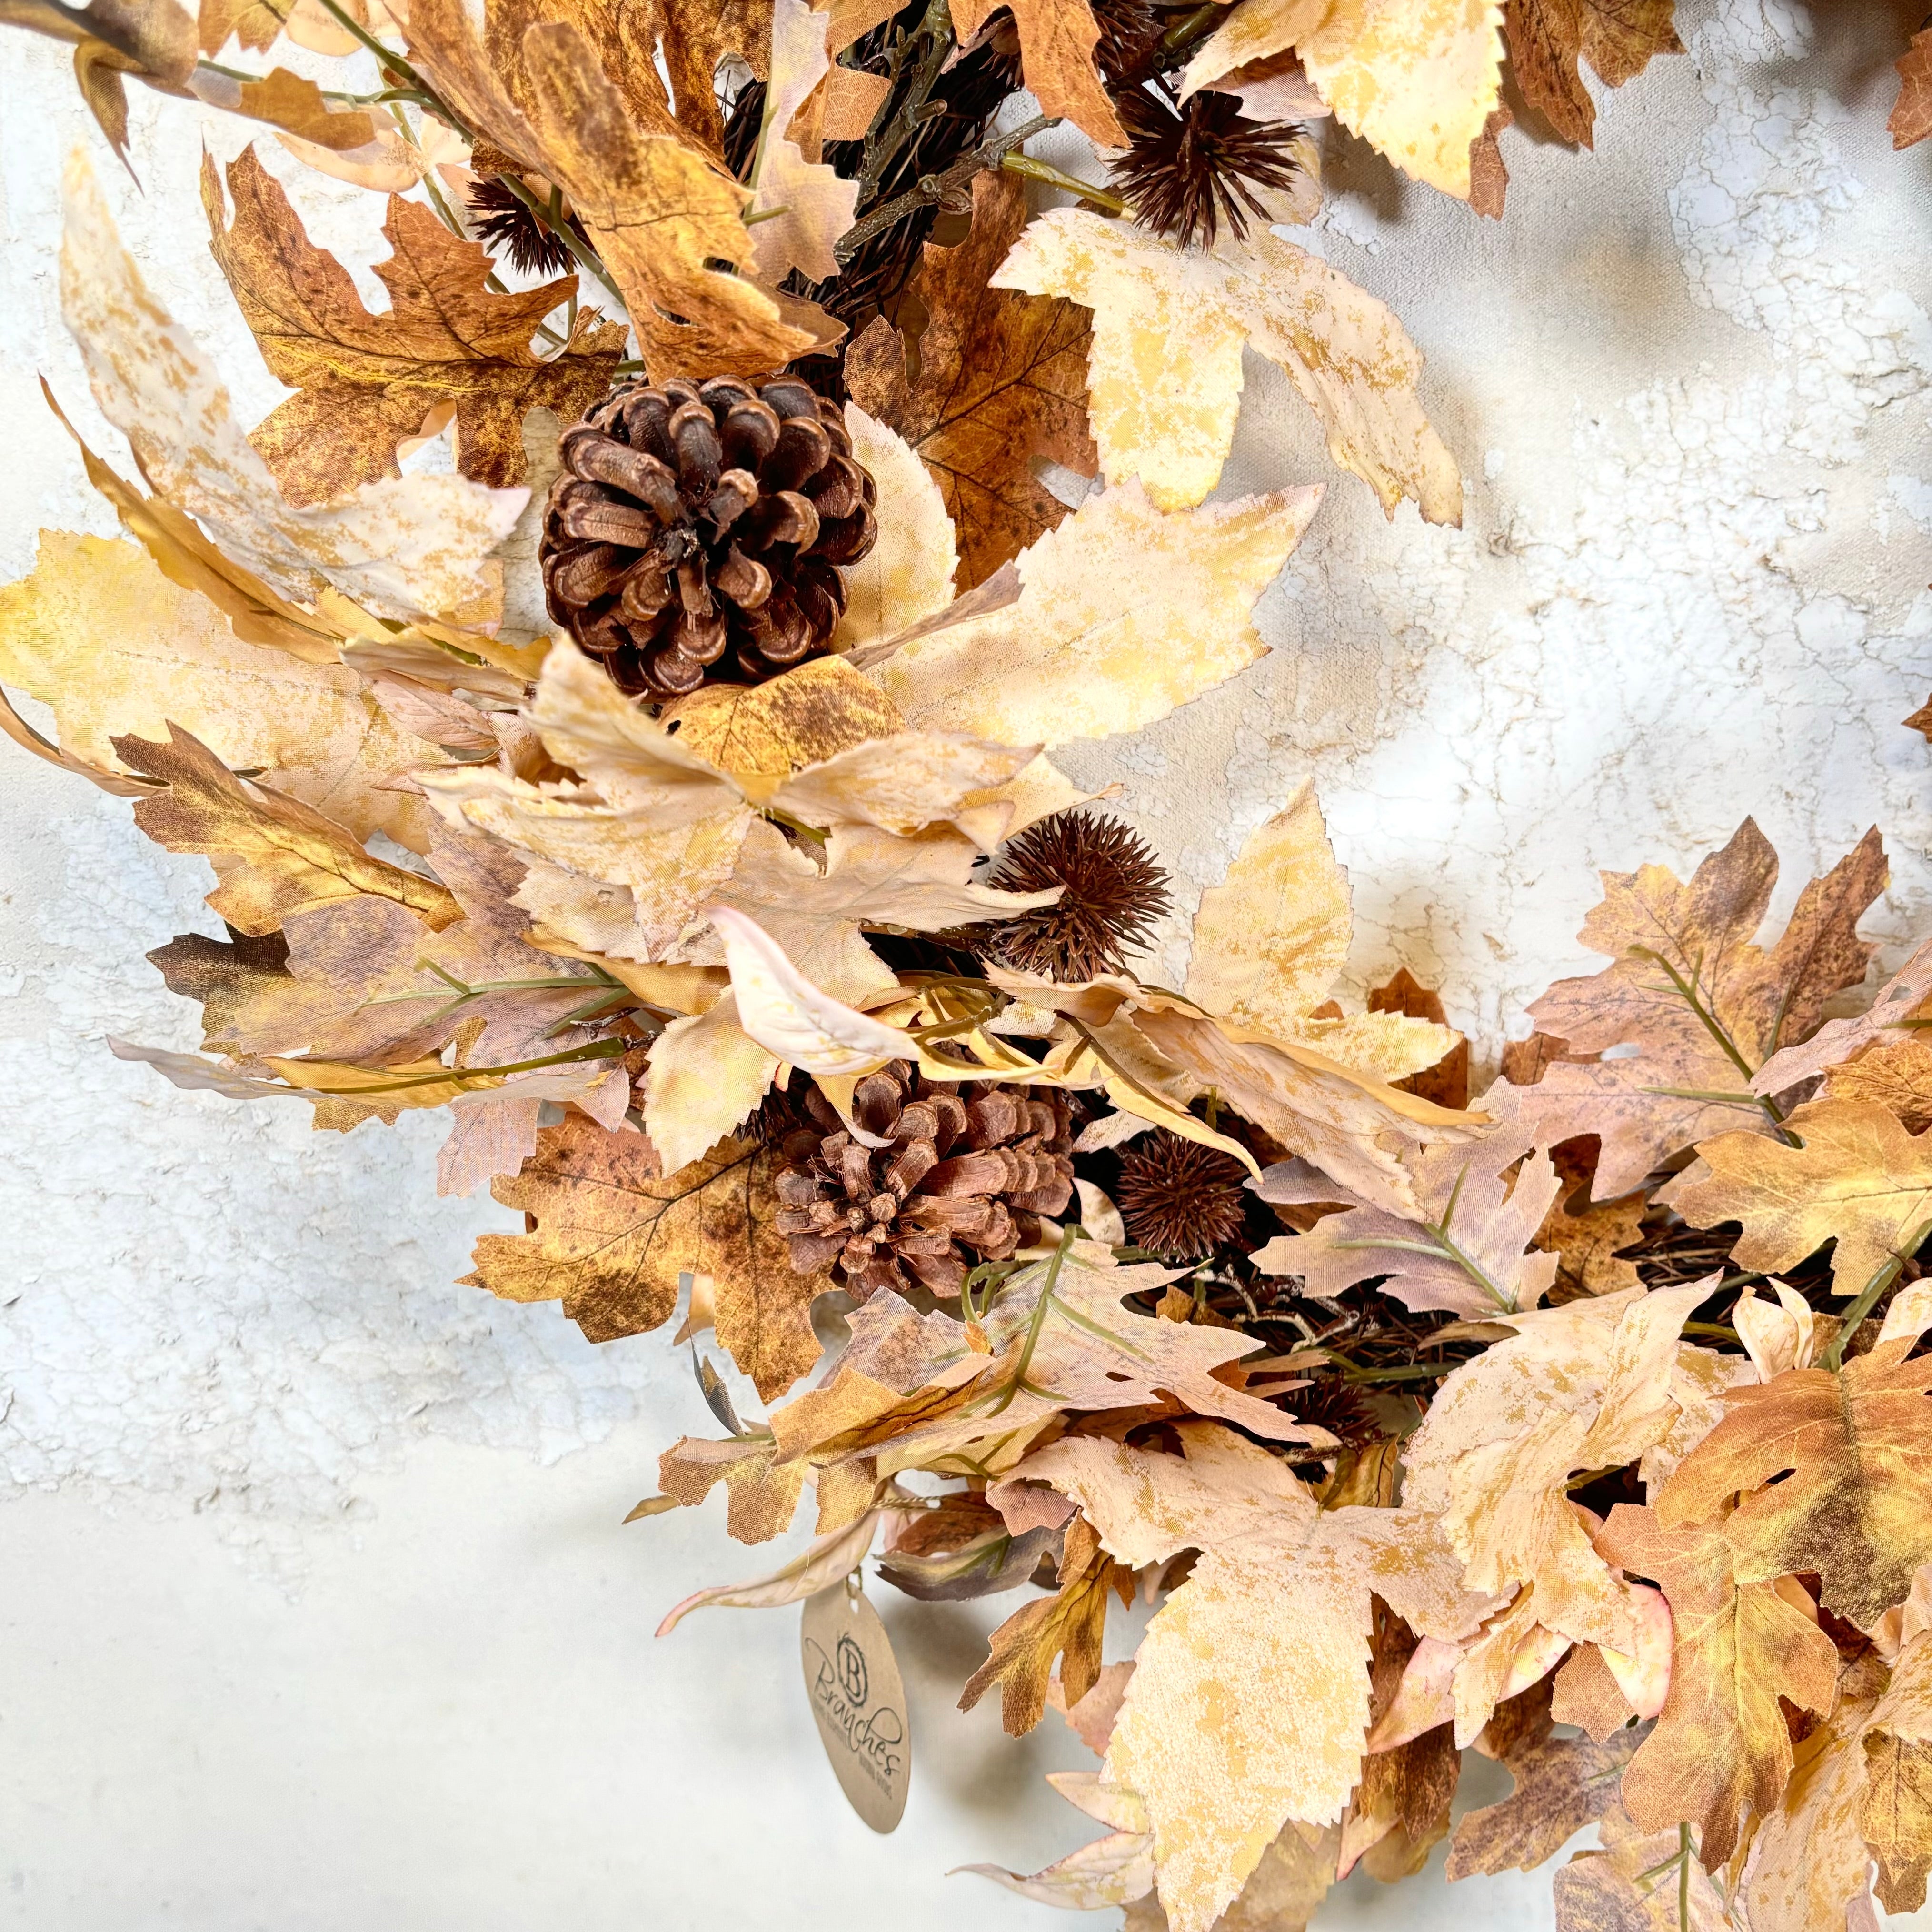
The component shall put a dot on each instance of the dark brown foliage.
(1188, 171)
(1114, 893)
(1179, 1198)
(695, 534)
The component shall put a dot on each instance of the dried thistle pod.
(965, 1174)
(696, 532)
(1179, 1198)
(1115, 893)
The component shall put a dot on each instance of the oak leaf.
(1721, 1746)
(1911, 118)
(1057, 42)
(1896, 1009)
(1587, 1237)
(1855, 1176)
(1895, 1812)
(614, 1233)
(806, 204)
(1001, 379)
(1417, 81)
(273, 855)
(1164, 374)
(98, 633)
(1855, 1448)
(365, 382)
(406, 546)
(1107, 624)
(1897, 1076)
(1548, 37)
(1705, 1007)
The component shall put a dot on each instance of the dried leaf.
(707, 1075)
(1896, 1077)
(1911, 118)
(817, 205)
(1586, 1239)
(1856, 1507)
(829, 1561)
(788, 1015)
(770, 730)
(1562, 1784)
(365, 382)
(1445, 1081)
(274, 855)
(1118, 617)
(1001, 380)
(1856, 1176)
(1895, 1813)
(1839, 1042)
(406, 547)
(907, 576)
(1548, 37)
(1164, 371)
(1057, 42)
(1489, 176)
(1633, 1885)
(1721, 1746)
(1417, 81)
(761, 1499)
(1112, 1871)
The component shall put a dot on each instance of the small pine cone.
(695, 532)
(968, 1171)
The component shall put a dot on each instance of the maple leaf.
(407, 547)
(761, 1498)
(1057, 42)
(1466, 1251)
(706, 1075)
(1108, 623)
(1418, 82)
(1164, 371)
(614, 1233)
(1488, 174)
(1854, 1176)
(1640, 1882)
(1070, 1625)
(273, 855)
(1270, 941)
(1856, 1506)
(1721, 1746)
(1585, 1386)
(1001, 380)
(1705, 1006)
(1896, 1008)
(808, 205)
(1911, 117)
(1896, 1077)
(1895, 1813)
(1618, 37)
(98, 633)
(365, 382)
(1562, 1784)
(1273, 1619)
(1586, 1238)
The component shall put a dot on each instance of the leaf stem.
(1867, 1297)
(596, 1049)
(1038, 1322)
(1053, 177)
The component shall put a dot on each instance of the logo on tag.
(859, 1701)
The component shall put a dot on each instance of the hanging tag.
(853, 1680)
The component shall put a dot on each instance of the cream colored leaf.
(1164, 373)
(1416, 78)
(829, 1561)
(789, 1016)
(1119, 616)
(907, 576)
(1112, 1871)
(816, 206)
(707, 1075)
(406, 547)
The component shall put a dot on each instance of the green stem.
(597, 1049)
(586, 260)
(1684, 1878)
(1044, 171)
(1868, 1295)
(1038, 1323)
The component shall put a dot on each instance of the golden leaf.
(1895, 1813)
(907, 576)
(830, 1561)
(294, 104)
(760, 1500)
(706, 1074)
(614, 1233)
(1114, 619)
(1001, 380)
(366, 382)
(1271, 939)
(1618, 37)
(769, 730)
(1585, 1386)
(1721, 1746)
(1856, 1176)
(154, 39)
(1057, 42)
(1417, 81)
(1856, 1506)
(1896, 1077)
(273, 855)
(1911, 117)
(1705, 1006)
(406, 547)
(100, 634)
(1164, 372)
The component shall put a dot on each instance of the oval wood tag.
(859, 1701)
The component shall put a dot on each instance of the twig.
(931, 188)
(1053, 177)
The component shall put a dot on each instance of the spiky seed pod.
(695, 533)
(965, 1174)
(1328, 1403)
(1179, 1198)
(1187, 171)
(506, 227)
(1114, 893)
(1129, 42)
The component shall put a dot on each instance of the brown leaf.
(1446, 1083)
(1897, 1077)
(612, 1234)
(274, 855)
(1633, 1885)
(1895, 1816)
(1488, 178)
(1618, 37)
(1721, 1746)
(1585, 1692)
(1585, 1236)
(1070, 1625)
(1001, 381)
(1057, 42)
(1911, 118)
(759, 1499)
(1561, 1785)
(1400, 1809)
(365, 382)
(1855, 1508)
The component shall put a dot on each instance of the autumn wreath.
(668, 794)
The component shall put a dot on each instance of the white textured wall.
(315, 1611)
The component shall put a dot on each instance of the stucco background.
(315, 1609)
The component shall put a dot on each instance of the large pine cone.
(695, 531)
(968, 1170)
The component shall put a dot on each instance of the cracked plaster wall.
(293, 1625)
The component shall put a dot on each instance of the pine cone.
(968, 1170)
(695, 532)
